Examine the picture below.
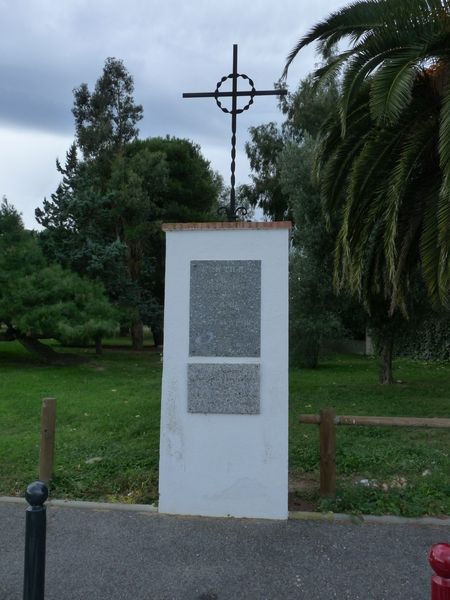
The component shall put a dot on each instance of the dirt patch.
(296, 503)
(303, 491)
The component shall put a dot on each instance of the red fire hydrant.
(439, 559)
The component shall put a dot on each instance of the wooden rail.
(327, 420)
(378, 421)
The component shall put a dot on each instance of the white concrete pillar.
(224, 413)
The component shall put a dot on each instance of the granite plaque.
(225, 308)
(223, 388)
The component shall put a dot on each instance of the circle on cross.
(251, 93)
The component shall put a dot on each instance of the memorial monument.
(224, 413)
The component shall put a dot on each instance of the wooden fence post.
(48, 419)
(327, 452)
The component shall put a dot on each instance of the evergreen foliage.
(42, 301)
(263, 152)
(105, 120)
(104, 220)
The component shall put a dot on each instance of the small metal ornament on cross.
(232, 211)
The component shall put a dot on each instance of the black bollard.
(35, 530)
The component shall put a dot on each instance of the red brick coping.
(226, 225)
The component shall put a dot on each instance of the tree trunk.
(137, 335)
(36, 347)
(98, 346)
(124, 330)
(158, 336)
(47, 354)
(386, 354)
(309, 355)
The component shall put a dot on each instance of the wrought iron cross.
(234, 94)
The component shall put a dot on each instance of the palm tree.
(384, 156)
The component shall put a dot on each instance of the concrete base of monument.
(209, 515)
(224, 467)
(232, 502)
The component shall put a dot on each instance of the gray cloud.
(49, 47)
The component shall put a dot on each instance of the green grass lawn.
(408, 468)
(107, 409)
(107, 435)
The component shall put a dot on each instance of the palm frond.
(368, 249)
(356, 72)
(333, 175)
(330, 70)
(352, 20)
(408, 247)
(418, 143)
(391, 89)
(429, 251)
(334, 155)
(444, 134)
(443, 242)
(368, 170)
(443, 208)
(331, 134)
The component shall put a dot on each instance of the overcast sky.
(49, 47)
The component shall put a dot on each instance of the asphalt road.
(112, 555)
